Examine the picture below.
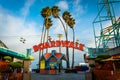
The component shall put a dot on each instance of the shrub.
(7, 58)
(91, 65)
(15, 64)
(98, 59)
(101, 57)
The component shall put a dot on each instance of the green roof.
(11, 53)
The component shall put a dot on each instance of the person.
(6, 76)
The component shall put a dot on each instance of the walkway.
(62, 76)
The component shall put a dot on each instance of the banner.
(58, 43)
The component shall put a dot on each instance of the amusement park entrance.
(51, 63)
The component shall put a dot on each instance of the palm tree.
(55, 13)
(66, 15)
(48, 24)
(45, 13)
(71, 24)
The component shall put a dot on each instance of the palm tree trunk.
(44, 39)
(47, 39)
(62, 24)
(67, 51)
(41, 42)
(73, 48)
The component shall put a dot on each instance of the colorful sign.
(58, 43)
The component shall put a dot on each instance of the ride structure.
(108, 37)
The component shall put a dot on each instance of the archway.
(53, 60)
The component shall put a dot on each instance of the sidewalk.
(62, 76)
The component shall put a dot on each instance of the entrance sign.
(58, 43)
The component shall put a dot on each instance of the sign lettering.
(58, 43)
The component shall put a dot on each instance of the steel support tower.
(106, 27)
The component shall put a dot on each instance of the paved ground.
(62, 76)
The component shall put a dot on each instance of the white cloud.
(78, 8)
(77, 2)
(15, 26)
(57, 27)
(90, 43)
(63, 5)
(12, 28)
(25, 9)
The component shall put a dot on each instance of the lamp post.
(60, 37)
(49, 38)
(77, 40)
(59, 62)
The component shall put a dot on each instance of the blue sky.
(83, 11)
(21, 18)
